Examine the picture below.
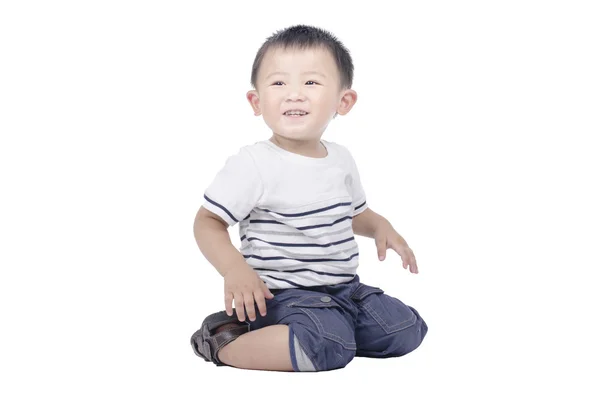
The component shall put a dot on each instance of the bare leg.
(266, 349)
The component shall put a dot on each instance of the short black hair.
(303, 37)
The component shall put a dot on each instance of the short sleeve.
(235, 190)
(359, 199)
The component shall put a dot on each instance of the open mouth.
(295, 113)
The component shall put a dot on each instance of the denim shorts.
(330, 325)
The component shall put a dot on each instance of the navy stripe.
(305, 270)
(324, 224)
(286, 281)
(355, 208)
(309, 212)
(263, 221)
(300, 245)
(305, 227)
(221, 207)
(243, 237)
(273, 258)
(247, 217)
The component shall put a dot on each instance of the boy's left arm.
(370, 224)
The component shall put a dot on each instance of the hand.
(386, 237)
(243, 284)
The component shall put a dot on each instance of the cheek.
(271, 104)
(271, 109)
(327, 106)
(326, 100)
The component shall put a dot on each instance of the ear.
(252, 97)
(347, 100)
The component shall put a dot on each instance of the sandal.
(207, 344)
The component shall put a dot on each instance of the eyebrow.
(287, 74)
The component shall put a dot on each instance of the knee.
(410, 338)
(312, 350)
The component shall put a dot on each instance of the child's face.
(307, 81)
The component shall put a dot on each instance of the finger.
(239, 306)
(381, 245)
(249, 302)
(413, 262)
(400, 251)
(409, 257)
(267, 293)
(228, 303)
(259, 298)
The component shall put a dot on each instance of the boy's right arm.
(242, 283)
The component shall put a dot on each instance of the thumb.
(268, 294)
(381, 248)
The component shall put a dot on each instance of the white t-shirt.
(294, 212)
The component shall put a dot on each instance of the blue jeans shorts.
(330, 325)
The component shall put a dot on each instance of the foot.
(216, 332)
(225, 327)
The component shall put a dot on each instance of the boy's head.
(302, 77)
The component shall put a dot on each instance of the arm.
(214, 242)
(367, 222)
(370, 224)
(242, 283)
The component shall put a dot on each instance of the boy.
(299, 202)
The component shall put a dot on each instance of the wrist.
(234, 266)
(381, 226)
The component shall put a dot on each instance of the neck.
(312, 148)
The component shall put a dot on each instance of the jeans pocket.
(390, 313)
(313, 301)
(331, 323)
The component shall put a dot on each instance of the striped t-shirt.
(294, 212)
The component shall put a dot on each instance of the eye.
(278, 83)
(311, 82)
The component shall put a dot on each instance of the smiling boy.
(299, 203)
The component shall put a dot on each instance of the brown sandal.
(207, 344)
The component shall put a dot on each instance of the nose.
(295, 94)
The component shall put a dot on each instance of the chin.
(295, 136)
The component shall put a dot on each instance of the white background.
(475, 133)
